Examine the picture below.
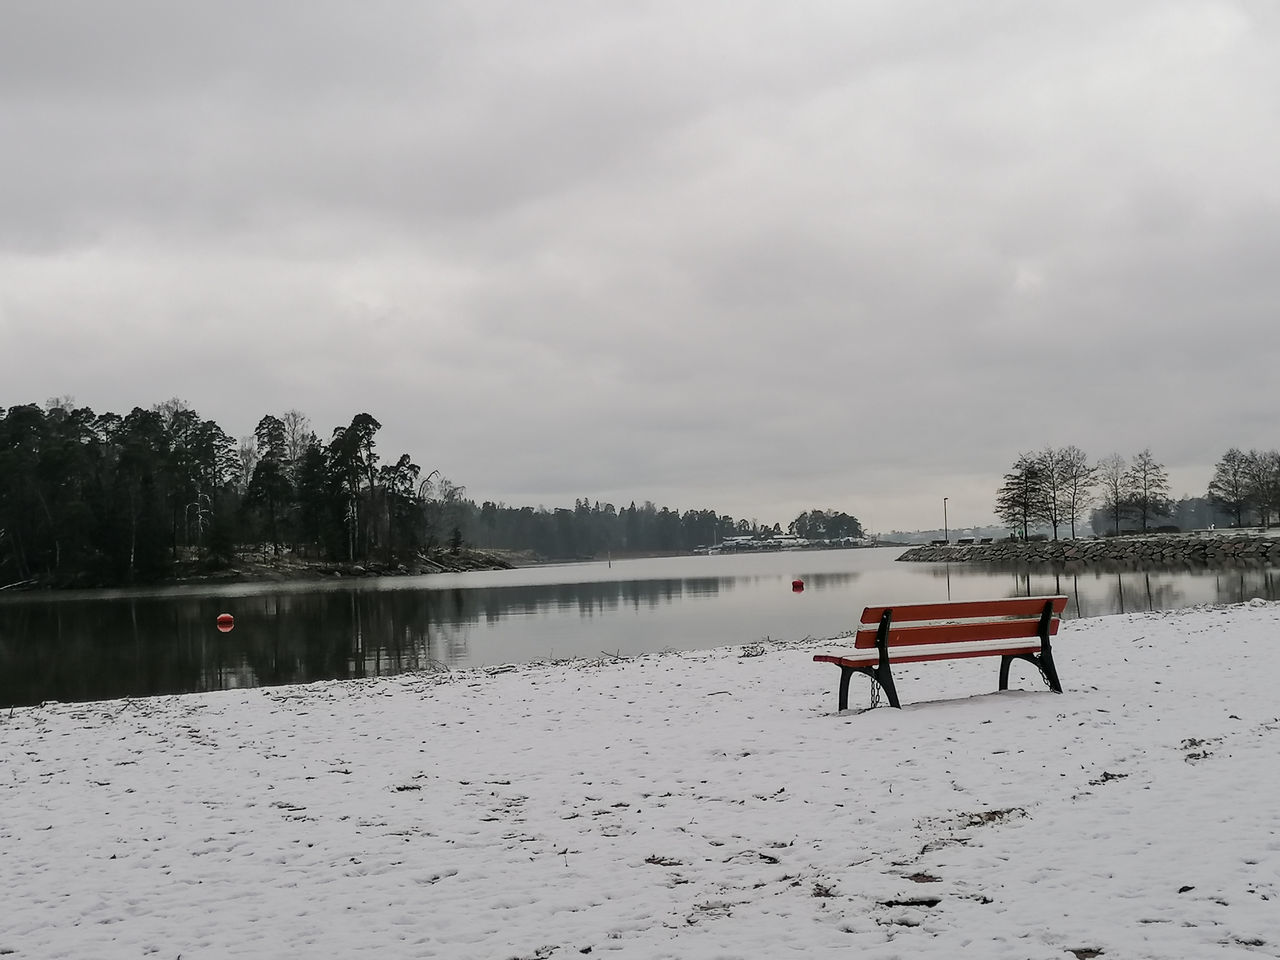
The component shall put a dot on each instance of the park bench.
(1019, 628)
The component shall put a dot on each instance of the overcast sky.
(756, 256)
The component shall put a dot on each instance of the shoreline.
(1155, 552)
(261, 567)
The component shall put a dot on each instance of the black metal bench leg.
(845, 674)
(1045, 660)
(1005, 661)
(1045, 663)
(885, 679)
(1042, 661)
(880, 675)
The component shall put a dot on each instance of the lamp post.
(946, 536)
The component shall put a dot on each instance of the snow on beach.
(692, 805)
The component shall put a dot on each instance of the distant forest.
(97, 499)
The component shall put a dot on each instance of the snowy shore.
(697, 805)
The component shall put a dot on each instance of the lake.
(112, 644)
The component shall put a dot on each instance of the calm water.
(106, 645)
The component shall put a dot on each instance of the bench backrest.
(963, 621)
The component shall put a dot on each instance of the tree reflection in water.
(1096, 591)
(110, 646)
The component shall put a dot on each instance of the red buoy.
(226, 622)
(797, 586)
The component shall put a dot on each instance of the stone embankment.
(1209, 549)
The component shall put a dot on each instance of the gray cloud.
(745, 255)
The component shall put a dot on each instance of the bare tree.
(452, 497)
(1147, 485)
(247, 459)
(171, 410)
(1051, 493)
(1262, 472)
(66, 403)
(1076, 479)
(298, 435)
(1229, 487)
(442, 507)
(1110, 481)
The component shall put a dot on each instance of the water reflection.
(113, 646)
(83, 649)
(1096, 591)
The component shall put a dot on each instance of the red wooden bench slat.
(870, 659)
(1010, 607)
(957, 632)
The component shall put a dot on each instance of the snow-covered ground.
(696, 805)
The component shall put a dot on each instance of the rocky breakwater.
(1163, 550)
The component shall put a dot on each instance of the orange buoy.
(226, 622)
(797, 586)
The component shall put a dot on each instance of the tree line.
(1057, 488)
(595, 529)
(104, 498)
(88, 498)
